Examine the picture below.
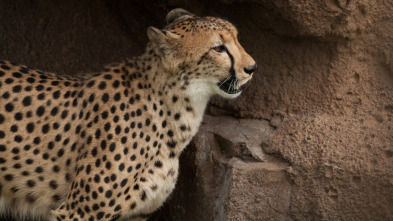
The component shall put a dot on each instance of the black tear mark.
(232, 70)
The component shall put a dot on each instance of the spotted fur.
(107, 146)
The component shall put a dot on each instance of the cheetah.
(107, 146)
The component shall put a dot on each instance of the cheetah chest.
(159, 186)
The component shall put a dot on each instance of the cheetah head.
(204, 52)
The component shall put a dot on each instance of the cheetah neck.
(171, 98)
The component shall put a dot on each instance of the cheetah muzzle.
(106, 146)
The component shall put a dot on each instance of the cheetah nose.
(251, 69)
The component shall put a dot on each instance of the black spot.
(117, 208)
(105, 97)
(158, 164)
(37, 140)
(41, 96)
(8, 177)
(172, 154)
(131, 100)
(102, 85)
(6, 95)
(112, 147)
(17, 75)
(94, 152)
(30, 127)
(174, 98)
(60, 153)
(26, 101)
(91, 98)
(90, 84)
(103, 144)
(53, 184)
(123, 182)
(17, 89)
(15, 150)
(108, 194)
(31, 198)
(121, 167)
(116, 84)
(9, 80)
(18, 116)
(9, 107)
(171, 144)
(136, 187)
(30, 80)
(104, 115)
(56, 168)
(18, 138)
(39, 87)
(100, 215)
(96, 107)
(56, 94)
(64, 114)
(56, 198)
(45, 128)
(40, 111)
(117, 97)
(30, 183)
(108, 76)
(5, 67)
(143, 195)
(96, 178)
(108, 165)
(14, 128)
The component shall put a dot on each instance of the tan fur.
(106, 147)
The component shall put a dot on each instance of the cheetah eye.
(220, 49)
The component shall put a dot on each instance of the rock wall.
(315, 141)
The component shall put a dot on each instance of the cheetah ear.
(177, 15)
(161, 38)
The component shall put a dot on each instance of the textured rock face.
(317, 141)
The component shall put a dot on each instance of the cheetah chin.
(230, 85)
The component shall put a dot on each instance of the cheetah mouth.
(230, 85)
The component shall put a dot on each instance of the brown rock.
(225, 177)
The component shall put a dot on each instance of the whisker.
(234, 86)
(230, 86)
(247, 85)
(225, 81)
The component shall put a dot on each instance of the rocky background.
(311, 138)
